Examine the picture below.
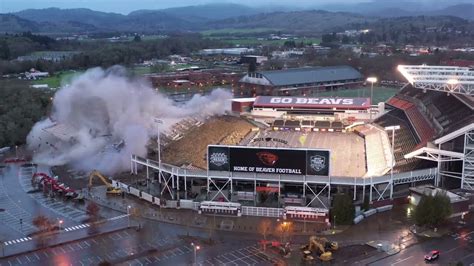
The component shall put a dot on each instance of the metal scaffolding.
(448, 79)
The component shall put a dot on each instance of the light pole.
(128, 214)
(195, 248)
(158, 143)
(16, 151)
(372, 80)
(60, 222)
(334, 221)
(392, 128)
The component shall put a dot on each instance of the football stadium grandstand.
(298, 151)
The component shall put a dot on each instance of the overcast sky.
(126, 6)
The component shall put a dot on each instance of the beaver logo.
(267, 158)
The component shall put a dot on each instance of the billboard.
(268, 160)
(311, 102)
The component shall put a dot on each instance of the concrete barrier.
(358, 219)
(384, 208)
(370, 212)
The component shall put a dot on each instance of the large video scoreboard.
(268, 160)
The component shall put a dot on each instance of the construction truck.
(316, 247)
(111, 190)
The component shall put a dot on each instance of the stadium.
(289, 154)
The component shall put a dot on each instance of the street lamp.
(195, 248)
(392, 128)
(158, 143)
(158, 123)
(60, 222)
(372, 80)
(128, 214)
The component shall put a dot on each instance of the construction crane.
(318, 246)
(110, 189)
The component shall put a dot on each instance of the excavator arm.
(110, 189)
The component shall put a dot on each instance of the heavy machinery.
(329, 245)
(317, 246)
(111, 190)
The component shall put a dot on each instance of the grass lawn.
(55, 81)
(381, 94)
(247, 41)
(237, 31)
(141, 70)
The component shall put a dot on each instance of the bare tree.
(264, 228)
(42, 223)
(93, 210)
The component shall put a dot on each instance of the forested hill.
(201, 18)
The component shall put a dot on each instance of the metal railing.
(398, 178)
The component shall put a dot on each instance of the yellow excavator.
(111, 190)
(330, 245)
(317, 245)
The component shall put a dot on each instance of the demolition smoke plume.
(101, 108)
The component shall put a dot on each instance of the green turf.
(56, 80)
(381, 94)
(237, 31)
(247, 41)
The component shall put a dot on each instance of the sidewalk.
(190, 218)
(63, 237)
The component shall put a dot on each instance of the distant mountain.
(465, 11)
(212, 11)
(315, 21)
(84, 15)
(86, 20)
(212, 16)
(12, 24)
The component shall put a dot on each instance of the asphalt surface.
(155, 243)
(167, 244)
(454, 248)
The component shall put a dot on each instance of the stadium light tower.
(372, 80)
(392, 128)
(158, 123)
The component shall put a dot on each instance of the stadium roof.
(310, 75)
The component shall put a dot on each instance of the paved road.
(21, 207)
(154, 244)
(457, 247)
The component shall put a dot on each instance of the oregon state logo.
(317, 162)
(218, 158)
(267, 158)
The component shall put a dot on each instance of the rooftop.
(431, 190)
(310, 75)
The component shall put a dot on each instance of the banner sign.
(309, 102)
(268, 160)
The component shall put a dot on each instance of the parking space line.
(28, 258)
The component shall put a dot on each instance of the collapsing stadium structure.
(423, 134)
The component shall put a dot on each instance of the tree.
(42, 223)
(92, 210)
(433, 210)
(264, 227)
(366, 204)
(343, 209)
(137, 38)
